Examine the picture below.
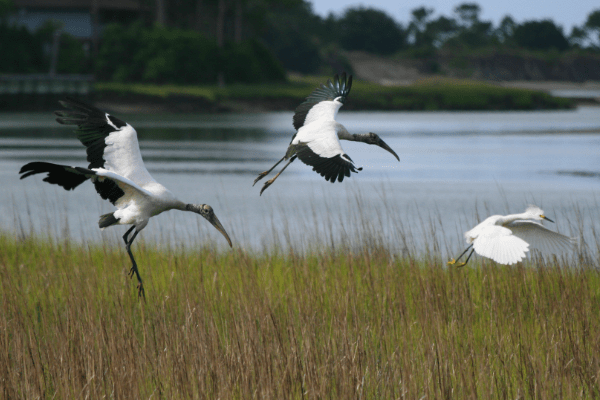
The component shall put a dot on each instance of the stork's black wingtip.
(360, 168)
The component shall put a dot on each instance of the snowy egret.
(506, 238)
(317, 138)
(118, 173)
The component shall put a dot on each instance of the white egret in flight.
(506, 238)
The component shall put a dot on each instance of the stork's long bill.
(385, 146)
(217, 224)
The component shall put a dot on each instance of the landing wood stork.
(506, 238)
(317, 138)
(118, 173)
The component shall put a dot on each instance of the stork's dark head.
(207, 212)
(373, 138)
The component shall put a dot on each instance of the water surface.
(456, 167)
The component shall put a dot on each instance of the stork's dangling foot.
(263, 174)
(134, 268)
(270, 181)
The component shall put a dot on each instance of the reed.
(345, 322)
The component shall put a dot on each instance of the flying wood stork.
(506, 238)
(316, 141)
(118, 173)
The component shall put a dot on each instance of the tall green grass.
(356, 322)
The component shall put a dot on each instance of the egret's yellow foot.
(453, 262)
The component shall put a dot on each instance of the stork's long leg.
(134, 268)
(453, 261)
(263, 174)
(270, 181)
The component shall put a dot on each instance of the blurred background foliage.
(253, 41)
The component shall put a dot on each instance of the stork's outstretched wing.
(111, 144)
(70, 177)
(330, 166)
(313, 107)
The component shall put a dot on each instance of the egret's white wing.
(540, 237)
(499, 244)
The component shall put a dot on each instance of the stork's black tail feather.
(107, 220)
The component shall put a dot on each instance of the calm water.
(455, 168)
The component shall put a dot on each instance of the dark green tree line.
(205, 41)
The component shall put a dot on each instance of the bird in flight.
(118, 173)
(506, 238)
(317, 138)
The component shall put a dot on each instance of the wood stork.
(118, 173)
(506, 239)
(316, 141)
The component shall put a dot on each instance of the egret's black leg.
(263, 174)
(134, 268)
(270, 181)
(468, 258)
(453, 261)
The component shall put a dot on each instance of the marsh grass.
(345, 322)
(426, 94)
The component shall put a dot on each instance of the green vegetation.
(197, 42)
(327, 324)
(160, 55)
(431, 94)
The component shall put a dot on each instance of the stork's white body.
(321, 132)
(144, 196)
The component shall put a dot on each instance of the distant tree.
(371, 30)
(441, 30)
(470, 30)
(293, 32)
(6, 7)
(477, 35)
(506, 30)
(578, 37)
(22, 51)
(592, 26)
(468, 14)
(540, 35)
(418, 25)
